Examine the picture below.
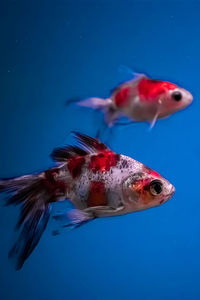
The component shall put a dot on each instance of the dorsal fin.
(131, 82)
(89, 144)
(64, 153)
(86, 146)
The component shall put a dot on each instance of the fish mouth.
(173, 190)
(169, 195)
(189, 102)
(190, 98)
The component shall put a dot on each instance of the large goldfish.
(96, 180)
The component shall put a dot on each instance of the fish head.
(174, 100)
(146, 189)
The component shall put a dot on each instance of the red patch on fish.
(97, 194)
(150, 89)
(55, 187)
(151, 172)
(103, 161)
(122, 97)
(75, 165)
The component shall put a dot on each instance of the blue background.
(52, 51)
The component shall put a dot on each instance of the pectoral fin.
(153, 121)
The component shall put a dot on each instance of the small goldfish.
(141, 99)
(96, 180)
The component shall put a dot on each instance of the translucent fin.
(128, 123)
(102, 129)
(153, 122)
(125, 69)
(104, 105)
(73, 218)
(96, 103)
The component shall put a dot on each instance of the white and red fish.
(96, 180)
(141, 99)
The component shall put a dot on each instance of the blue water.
(57, 50)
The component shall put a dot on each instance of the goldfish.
(141, 99)
(96, 180)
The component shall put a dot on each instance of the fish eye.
(156, 187)
(177, 96)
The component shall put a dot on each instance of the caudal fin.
(96, 103)
(105, 105)
(32, 194)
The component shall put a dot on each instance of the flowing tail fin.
(32, 192)
(105, 105)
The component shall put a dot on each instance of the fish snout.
(189, 97)
(171, 191)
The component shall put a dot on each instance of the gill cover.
(132, 185)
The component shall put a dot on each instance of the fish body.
(98, 181)
(141, 99)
